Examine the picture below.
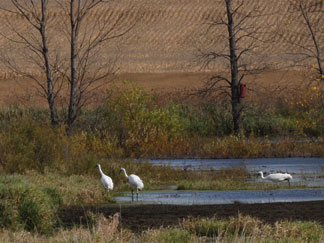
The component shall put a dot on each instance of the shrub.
(218, 119)
(307, 109)
(29, 207)
(36, 211)
(137, 122)
(27, 144)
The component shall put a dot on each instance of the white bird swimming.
(277, 177)
(106, 180)
(135, 182)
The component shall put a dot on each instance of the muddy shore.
(141, 217)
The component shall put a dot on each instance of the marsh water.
(290, 165)
(307, 172)
(226, 197)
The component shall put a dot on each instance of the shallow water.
(291, 165)
(307, 172)
(225, 197)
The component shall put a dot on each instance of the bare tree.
(35, 15)
(307, 42)
(78, 60)
(237, 48)
(85, 45)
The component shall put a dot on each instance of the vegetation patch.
(27, 206)
(235, 229)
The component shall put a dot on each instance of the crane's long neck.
(261, 173)
(100, 170)
(125, 173)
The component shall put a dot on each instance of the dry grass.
(103, 230)
(235, 229)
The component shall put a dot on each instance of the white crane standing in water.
(277, 177)
(106, 180)
(135, 182)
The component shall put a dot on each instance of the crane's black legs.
(133, 194)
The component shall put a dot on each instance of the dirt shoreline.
(141, 217)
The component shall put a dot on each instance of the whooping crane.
(277, 177)
(105, 180)
(135, 182)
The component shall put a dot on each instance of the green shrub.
(29, 207)
(35, 211)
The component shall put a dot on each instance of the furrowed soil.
(141, 217)
(160, 50)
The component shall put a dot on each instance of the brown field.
(166, 35)
(161, 50)
(266, 87)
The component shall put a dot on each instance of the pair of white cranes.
(133, 180)
(137, 183)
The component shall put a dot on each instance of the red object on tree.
(242, 90)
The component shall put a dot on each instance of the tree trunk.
(72, 113)
(235, 84)
(49, 77)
